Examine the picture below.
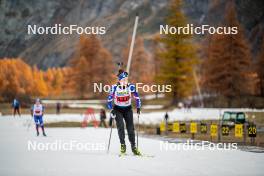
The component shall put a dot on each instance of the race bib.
(123, 99)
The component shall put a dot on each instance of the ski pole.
(137, 130)
(110, 136)
(28, 123)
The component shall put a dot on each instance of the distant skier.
(102, 118)
(188, 105)
(122, 110)
(16, 107)
(166, 117)
(58, 108)
(37, 112)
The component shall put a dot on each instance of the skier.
(16, 107)
(58, 108)
(37, 112)
(121, 94)
(166, 117)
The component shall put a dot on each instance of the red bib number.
(123, 99)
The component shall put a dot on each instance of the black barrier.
(203, 128)
(213, 129)
(158, 131)
(170, 126)
(252, 131)
(182, 127)
(225, 130)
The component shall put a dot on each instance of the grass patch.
(63, 124)
(66, 124)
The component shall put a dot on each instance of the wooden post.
(219, 130)
(244, 134)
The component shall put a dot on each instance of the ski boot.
(43, 131)
(136, 151)
(37, 133)
(123, 149)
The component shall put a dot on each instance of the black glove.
(112, 114)
(138, 110)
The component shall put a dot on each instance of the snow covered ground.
(17, 159)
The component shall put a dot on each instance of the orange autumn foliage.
(19, 79)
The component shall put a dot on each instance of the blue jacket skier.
(120, 95)
(16, 107)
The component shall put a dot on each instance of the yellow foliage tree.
(40, 87)
(18, 79)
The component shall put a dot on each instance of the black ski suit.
(127, 115)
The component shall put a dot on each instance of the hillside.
(118, 17)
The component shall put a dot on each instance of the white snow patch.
(152, 107)
(153, 96)
(152, 117)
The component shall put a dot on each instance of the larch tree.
(260, 69)
(57, 82)
(48, 77)
(18, 79)
(178, 57)
(40, 88)
(79, 77)
(227, 70)
(91, 64)
(140, 70)
(10, 87)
